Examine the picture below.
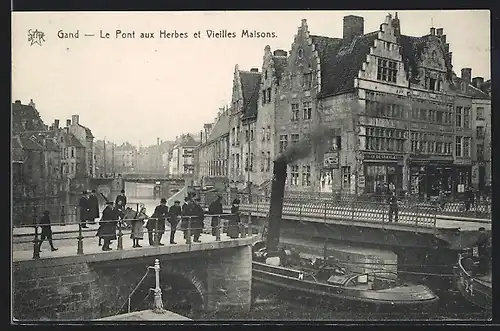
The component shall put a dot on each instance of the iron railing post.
(188, 231)
(36, 245)
(120, 237)
(156, 237)
(218, 224)
(62, 215)
(79, 249)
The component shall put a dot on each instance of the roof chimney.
(477, 82)
(433, 31)
(75, 119)
(280, 52)
(443, 39)
(17, 102)
(439, 32)
(56, 124)
(466, 75)
(254, 70)
(68, 123)
(353, 26)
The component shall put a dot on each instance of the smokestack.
(158, 141)
(433, 31)
(276, 206)
(75, 119)
(439, 32)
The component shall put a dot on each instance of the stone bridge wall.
(78, 289)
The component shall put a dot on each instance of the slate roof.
(188, 141)
(29, 143)
(280, 63)
(250, 86)
(220, 128)
(341, 62)
(88, 133)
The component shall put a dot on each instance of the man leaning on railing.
(46, 231)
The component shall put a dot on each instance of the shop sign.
(331, 160)
(389, 157)
(361, 181)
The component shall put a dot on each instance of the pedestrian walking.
(198, 219)
(468, 199)
(93, 207)
(215, 208)
(160, 214)
(138, 227)
(121, 198)
(393, 207)
(233, 230)
(174, 215)
(83, 203)
(46, 231)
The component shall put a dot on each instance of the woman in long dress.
(233, 229)
(138, 227)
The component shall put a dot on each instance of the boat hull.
(292, 280)
(474, 290)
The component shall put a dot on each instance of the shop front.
(382, 171)
(430, 177)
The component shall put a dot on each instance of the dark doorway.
(482, 177)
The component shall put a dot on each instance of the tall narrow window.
(346, 177)
(479, 113)
(458, 117)
(387, 70)
(295, 138)
(283, 142)
(295, 111)
(467, 118)
(466, 147)
(268, 165)
(308, 81)
(295, 175)
(307, 111)
(306, 175)
(458, 146)
(262, 161)
(264, 98)
(269, 95)
(480, 132)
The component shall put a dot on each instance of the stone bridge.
(211, 275)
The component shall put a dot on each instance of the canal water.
(272, 304)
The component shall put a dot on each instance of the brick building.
(390, 100)
(273, 66)
(242, 122)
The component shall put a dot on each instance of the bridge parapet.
(74, 283)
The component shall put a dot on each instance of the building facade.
(26, 117)
(182, 160)
(125, 158)
(242, 123)
(391, 104)
(86, 138)
(273, 65)
(213, 153)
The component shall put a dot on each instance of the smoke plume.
(303, 148)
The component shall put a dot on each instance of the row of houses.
(46, 160)
(398, 112)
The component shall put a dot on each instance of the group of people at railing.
(116, 214)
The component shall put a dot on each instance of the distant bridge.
(153, 178)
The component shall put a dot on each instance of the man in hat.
(107, 229)
(215, 208)
(46, 231)
(121, 197)
(160, 214)
(174, 217)
(94, 207)
(198, 219)
(83, 203)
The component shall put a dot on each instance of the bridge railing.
(117, 230)
(361, 209)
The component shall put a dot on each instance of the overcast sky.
(136, 90)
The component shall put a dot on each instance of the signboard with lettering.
(377, 156)
(331, 160)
